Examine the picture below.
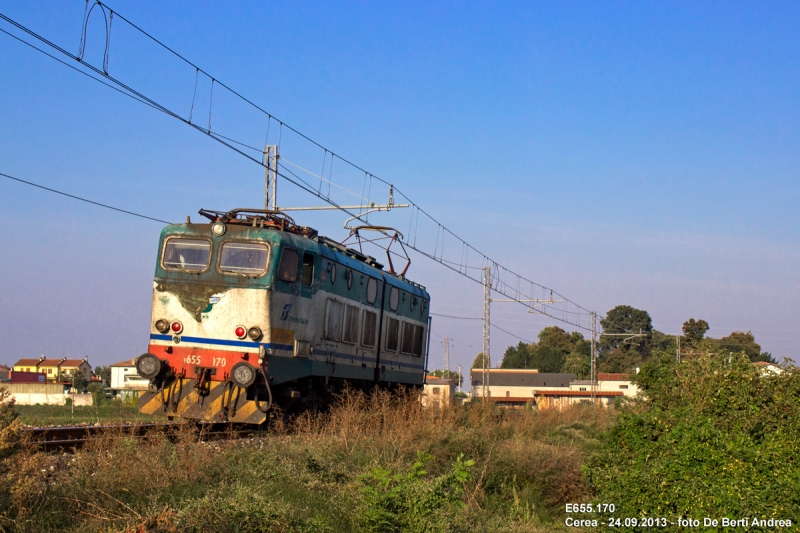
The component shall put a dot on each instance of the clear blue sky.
(622, 153)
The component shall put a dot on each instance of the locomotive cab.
(251, 310)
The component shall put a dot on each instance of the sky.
(619, 152)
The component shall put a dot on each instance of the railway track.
(71, 438)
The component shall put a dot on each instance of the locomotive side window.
(287, 270)
(308, 270)
(333, 320)
(419, 341)
(350, 324)
(243, 258)
(408, 338)
(394, 298)
(190, 255)
(392, 331)
(368, 331)
(372, 290)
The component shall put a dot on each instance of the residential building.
(518, 387)
(56, 369)
(438, 392)
(125, 381)
(5, 373)
(768, 368)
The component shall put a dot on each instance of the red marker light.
(240, 332)
(177, 327)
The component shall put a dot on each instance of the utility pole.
(487, 298)
(271, 178)
(594, 356)
(447, 355)
(459, 378)
(678, 353)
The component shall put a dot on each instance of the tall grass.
(375, 462)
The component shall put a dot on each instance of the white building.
(438, 392)
(125, 381)
(518, 387)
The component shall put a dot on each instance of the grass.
(61, 415)
(373, 463)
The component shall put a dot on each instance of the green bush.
(414, 502)
(712, 437)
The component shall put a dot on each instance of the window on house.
(623, 386)
(49, 370)
(583, 389)
(508, 394)
(436, 390)
(333, 320)
(350, 324)
(392, 334)
(368, 331)
(308, 270)
(287, 270)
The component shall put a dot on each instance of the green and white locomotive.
(251, 311)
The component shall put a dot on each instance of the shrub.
(712, 437)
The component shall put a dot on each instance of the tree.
(711, 432)
(739, 342)
(449, 374)
(78, 380)
(577, 363)
(695, 330)
(626, 319)
(518, 356)
(555, 338)
(104, 373)
(478, 362)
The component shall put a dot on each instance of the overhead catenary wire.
(83, 199)
(505, 281)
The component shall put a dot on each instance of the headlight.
(148, 366)
(254, 333)
(162, 326)
(218, 229)
(243, 374)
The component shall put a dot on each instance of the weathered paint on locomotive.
(211, 304)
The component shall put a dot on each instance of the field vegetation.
(373, 463)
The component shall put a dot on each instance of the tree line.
(628, 341)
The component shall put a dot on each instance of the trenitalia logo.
(294, 319)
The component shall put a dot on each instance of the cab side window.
(287, 270)
(308, 270)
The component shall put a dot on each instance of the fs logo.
(285, 313)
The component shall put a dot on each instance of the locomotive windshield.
(243, 258)
(186, 254)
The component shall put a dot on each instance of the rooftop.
(127, 362)
(523, 378)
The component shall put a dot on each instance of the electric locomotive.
(251, 311)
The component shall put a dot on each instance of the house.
(5, 373)
(125, 381)
(27, 365)
(768, 368)
(518, 387)
(69, 367)
(608, 382)
(62, 370)
(438, 392)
